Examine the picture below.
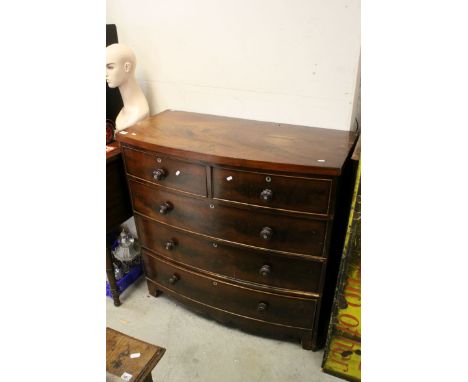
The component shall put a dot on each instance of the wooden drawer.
(293, 311)
(171, 172)
(230, 319)
(276, 191)
(263, 229)
(262, 267)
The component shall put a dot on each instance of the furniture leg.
(307, 342)
(111, 277)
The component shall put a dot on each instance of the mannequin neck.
(135, 107)
(130, 91)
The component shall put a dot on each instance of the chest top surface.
(241, 142)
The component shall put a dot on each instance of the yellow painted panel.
(348, 317)
(343, 350)
(344, 358)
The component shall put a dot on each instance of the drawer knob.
(159, 174)
(174, 278)
(165, 207)
(262, 307)
(266, 195)
(266, 233)
(265, 270)
(170, 245)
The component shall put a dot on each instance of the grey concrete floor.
(201, 350)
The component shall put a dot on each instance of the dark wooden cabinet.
(118, 207)
(241, 220)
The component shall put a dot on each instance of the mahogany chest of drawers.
(242, 221)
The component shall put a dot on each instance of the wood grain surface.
(289, 233)
(118, 206)
(285, 192)
(178, 174)
(298, 275)
(242, 220)
(240, 142)
(291, 311)
(119, 346)
(247, 324)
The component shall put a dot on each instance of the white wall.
(284, 61)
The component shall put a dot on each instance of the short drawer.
(166, 171)
(269, 307)
(275, 191)
(261, 267)
(264, 229)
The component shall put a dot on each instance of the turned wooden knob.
(265, 270)
(266, 195)
(174, 278)
(170, 244)
(266, 233)
(159, 174)
(165, 207)
(262, 307)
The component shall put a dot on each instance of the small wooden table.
(120, 347)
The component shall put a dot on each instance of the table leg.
(111, 277)
(148, 378)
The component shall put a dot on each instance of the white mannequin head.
(120, 73)
(120, 64)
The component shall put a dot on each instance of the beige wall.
(284, 61)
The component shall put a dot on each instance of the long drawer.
(166, 171)
(261, 267)
(263, 229)
(269, 307)
(275, 191)
(234, 320)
